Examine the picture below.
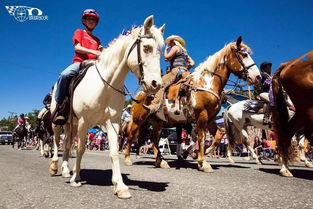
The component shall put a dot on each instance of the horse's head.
(144, 54)
(241, 63)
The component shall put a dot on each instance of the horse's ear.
(148, 24)
(238, 42)
(162, 28)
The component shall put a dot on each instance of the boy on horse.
(87, 46)
(180, 62)
(262, 90)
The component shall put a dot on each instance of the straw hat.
(177, 38)
(129, 106)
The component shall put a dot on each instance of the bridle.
(244, 71)
(140, 63)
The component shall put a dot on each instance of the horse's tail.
(280, 115)
(230, 130)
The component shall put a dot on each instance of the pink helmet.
(184, 135)
(91, 13)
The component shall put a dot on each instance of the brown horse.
(199, 98)
(295, 79)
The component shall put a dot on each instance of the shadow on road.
(103, 178)
(297, 173)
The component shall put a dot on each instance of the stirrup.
(59, 120)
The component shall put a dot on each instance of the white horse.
(237, 132)
(98, 99)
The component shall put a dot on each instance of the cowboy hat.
(264, 64)
(177, 38)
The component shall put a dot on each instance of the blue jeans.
(64, 81)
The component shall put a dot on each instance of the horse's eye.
(244, 55)
(147, 49)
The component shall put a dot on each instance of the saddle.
(64, 108)
(179, 90)
(254, 106)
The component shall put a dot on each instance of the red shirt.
(86, 40)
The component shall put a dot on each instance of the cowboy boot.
(59, 118)
(266, 115)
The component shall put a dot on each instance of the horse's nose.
(155, 84)
(258, 78)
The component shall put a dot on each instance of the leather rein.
(140, 64)
(244, 73)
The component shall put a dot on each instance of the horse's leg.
(13, 141)
(303, 158)
(215, 143)
(142, 136)
(53, 169)
(133, 130)
(213, 130)
(68, 141)
(82, 130)
(179, 141)
(41, 146)
(245, 141)
(155, 138)
(120, 189)
(45, 146)
(202, 164)
(290, 131)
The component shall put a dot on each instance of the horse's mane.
(113, 48)
(213, 61)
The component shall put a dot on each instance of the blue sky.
(33, 53)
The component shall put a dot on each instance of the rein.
(116, 89)
(140, 64)
(244, 72)
(245, 69)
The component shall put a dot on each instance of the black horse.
(20, 135)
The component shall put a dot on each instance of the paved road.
(25, 183)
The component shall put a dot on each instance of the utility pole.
(12, 113)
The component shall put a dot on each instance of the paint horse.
(200, 98)
(237, 131)
(99, 99)
(44, 133)
(295, 79)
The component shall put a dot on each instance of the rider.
(262, 90)
(125, 117)
(87, 46)
(180, 62)
(20, 121)
(47, 102)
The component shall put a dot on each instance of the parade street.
(26, 183)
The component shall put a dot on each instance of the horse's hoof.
(128, 162)
(46, 155)
(231, 161)
(285, 173)
(53, 171)
(206, 167)
(258, 163)
(246, 158)
(66, 174)
(309, 165)
(138, 156)
(206, 170)
(164, 164)
(76, 184)
(123, 194)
